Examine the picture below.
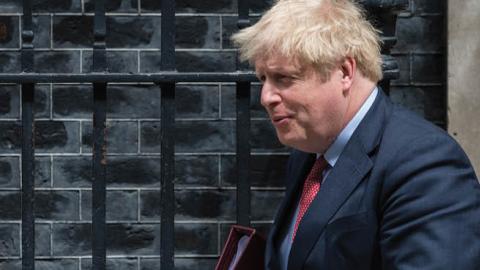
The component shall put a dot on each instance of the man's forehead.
(278, 63)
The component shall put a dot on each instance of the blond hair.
(320, 33)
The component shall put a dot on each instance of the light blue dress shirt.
(331, 156)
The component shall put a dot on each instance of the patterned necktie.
(310, 190)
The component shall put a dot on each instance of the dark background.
(205, 134)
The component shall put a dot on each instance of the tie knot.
(318, 167)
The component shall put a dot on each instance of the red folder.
(244, 250)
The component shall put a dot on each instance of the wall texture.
(463, 79)
(205, 134)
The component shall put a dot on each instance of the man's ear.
(348, 68)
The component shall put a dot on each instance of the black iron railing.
(166, 81)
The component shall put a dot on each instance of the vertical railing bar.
(167, 196)
(243, 131)
(243, 153)
(167, 144)
(28, 144)
(99, 144)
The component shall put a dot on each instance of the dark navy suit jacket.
(403, 195)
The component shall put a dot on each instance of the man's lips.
(279, 119)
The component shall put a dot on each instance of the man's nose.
(269, 95)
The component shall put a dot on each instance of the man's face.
(307, 112)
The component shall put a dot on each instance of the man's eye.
(284, 78)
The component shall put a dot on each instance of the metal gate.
(382, 11)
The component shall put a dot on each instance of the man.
(369, 184)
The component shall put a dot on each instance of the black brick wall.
(205, 132)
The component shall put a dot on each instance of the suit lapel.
(341, 181)
(303, 164)
(352, 166)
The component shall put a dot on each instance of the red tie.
(310, 190)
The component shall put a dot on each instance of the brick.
(428, 68)
(113, 264)
(42, 240)
(133, 101)
(11, 6)
(429, 6)
(196, 101)
(412, 98)
(42, 101)
(181, 263)
(206, 61)
(117, 62)
(76, 172)
(10, 62)
(57, 136)
(260, 6)
(197, 32)
(121, 205)
(10, 137)
(71, 239)
(42, 264)
(191, 61)
(229, 105)
(57, 205)
(192, 6)
(72, 31)
(427, 101)
(229, 27)
(123, 101)
(114, 6)
(191, 136)
(435, 103)
(122, 239)
(10, 202)
(201, 239)
(61, 205)
(121, 137)
(403, 62)
(41, 31)
(121, 171)
(266, 204)
(10, 172)
(420, 34)
(133, 32)
(133, 239)
(263, 137)
(10, 101)
(196, 170)
(57, 62)
(72, 101)
(9, 32)
(9, 240)
(43, 172)
(122, 32)
(265, 170)
(56, 6)
(191, 204)
(56, 264)
(10, 264)
(149, 205)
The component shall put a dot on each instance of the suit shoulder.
(406, 126)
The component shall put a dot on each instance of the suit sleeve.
(430, 208)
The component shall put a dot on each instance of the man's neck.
(360, 90)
